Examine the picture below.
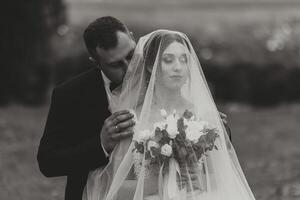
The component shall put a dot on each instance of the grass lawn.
(266, 142)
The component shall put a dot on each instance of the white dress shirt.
(112, 98)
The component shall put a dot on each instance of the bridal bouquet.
(183, 138)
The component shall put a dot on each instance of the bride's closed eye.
(183, 58)
(170, 58)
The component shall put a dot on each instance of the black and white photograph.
(150, 100)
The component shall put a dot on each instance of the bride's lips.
(177, 77)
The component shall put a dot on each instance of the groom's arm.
(58, 154)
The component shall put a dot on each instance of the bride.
(180, 149)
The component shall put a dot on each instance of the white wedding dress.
(165, 74)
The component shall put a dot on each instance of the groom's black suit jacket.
(71, 145)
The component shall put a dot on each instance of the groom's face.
(114, 62)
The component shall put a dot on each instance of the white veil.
(150, 87)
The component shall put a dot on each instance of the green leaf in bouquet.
(180, 138)
(202, 141)
(158, 135)
(165, 138)
(210, 148)
(139, 147)
(147, 155)
(155, 151)
(211, 135)
(199, 150)
(180, 152)
(180, 126)
(192, 158)
(188, 114)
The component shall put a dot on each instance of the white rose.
(160, 125)
(152, 143)
(195, 129)
(143, 135)
(166, 150)
(163, 112)
(172, 125)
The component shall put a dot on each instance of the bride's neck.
(167, 99)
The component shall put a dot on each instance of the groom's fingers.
(122, 135)
(115, 114)
(118, 117)
(126, 124)
(123, 126)
(121, 118)
(223, 115)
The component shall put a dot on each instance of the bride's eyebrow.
(172, 54)
(168, 54)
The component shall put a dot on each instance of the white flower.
(163, 112)
(195, 129)
(166, 150)
(152, 143)
(143, 135)
(160, 125)
(172, 129)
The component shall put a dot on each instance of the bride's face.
(174, 68)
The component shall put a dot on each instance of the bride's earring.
(93, 60)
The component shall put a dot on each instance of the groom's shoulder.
(82, 80)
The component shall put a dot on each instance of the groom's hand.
(224, 120)
(115, 128)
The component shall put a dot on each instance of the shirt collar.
(107, 83)
(105, 79)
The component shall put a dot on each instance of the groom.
(81, 131)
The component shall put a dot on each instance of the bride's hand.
(115, 128)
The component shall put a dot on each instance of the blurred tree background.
(26, 33)
(254, 62)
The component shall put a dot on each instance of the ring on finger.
(116, 128)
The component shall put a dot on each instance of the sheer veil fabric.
(165, 74)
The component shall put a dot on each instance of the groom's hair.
(102, 33)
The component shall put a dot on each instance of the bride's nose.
(177, 65)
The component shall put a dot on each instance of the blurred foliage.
(266, 141)
(251, 63)
(26, 31)
(261, 86)
(256, 63)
